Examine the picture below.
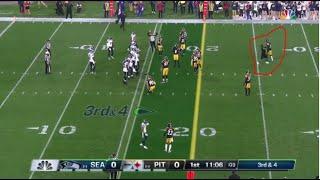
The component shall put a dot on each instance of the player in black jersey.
(247, 83)
(169, 138)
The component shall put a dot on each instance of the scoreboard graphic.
(162, 165)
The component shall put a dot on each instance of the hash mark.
(273, 95)
(222, 94)
(312, 95)
(299, 95)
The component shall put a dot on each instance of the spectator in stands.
(190, 7)
(210, 9)
(175, 6)
(200, 14)
(153, 7)
(182, 5)
(226, 6)
(59, 8)
(27, 5)
(234, 175)
(21, 8)
(79, 7)
(160, 8)
(106, 9)
(69, 7)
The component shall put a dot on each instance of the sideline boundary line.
(163, 21)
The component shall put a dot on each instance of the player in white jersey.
(144, 133)
(110, 48)
(135, 57)
(125, 66)
(47, 61)
(92, 62)
(133, 36)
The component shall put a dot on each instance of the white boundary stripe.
(68, 102)
(25, 72)
(6, 29)
(133, 20)
(314, 62)
(135, 117)
(262, 107)
(134, 97)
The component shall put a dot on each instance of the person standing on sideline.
(190, 7)
(113, 173)
(122, 19)
(27, 5)
(21, 9)
(153, 7)
(106, 9)
(69, 6)
(47, 62)
(160, 8)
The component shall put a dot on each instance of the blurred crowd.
(266, 10)
(274, 10)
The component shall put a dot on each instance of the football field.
(72, 114)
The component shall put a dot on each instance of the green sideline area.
(279, 119)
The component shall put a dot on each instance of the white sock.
(166, 147)
(170, 147)
(271, 58)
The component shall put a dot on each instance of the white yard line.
(314, 62)
(134, 97)
(68, 102)
(140, 98)
(261, 104)
(6, 29)
(25, 72)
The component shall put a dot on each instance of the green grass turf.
(288, 116)
(237, 119)
(168, 107)
(94, 10)
(312, 32)
(3, 25)
(99, 136)
(18, 56)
